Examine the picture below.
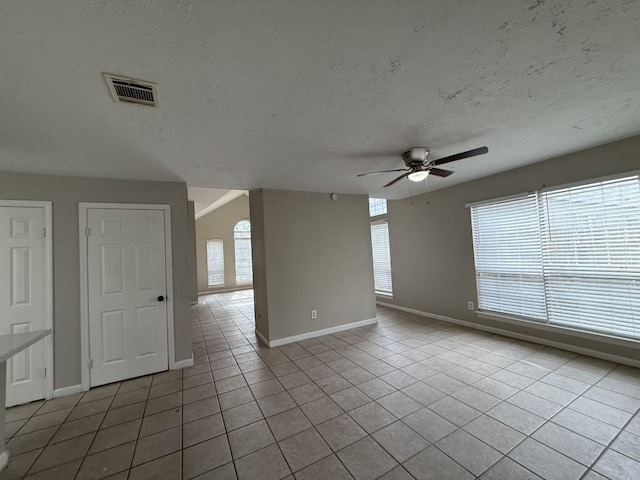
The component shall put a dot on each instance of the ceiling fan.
(418, 168)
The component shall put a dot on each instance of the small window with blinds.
(381, 258)
(215, 263)
(377, 206)
(242, 244)
(582, 265)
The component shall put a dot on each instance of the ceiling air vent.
(131, 90)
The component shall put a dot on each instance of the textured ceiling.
(303, 95)
(206, 200)
(204, 197)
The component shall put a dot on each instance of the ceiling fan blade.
(460, 156)
(396, 180)
(382, 171)
(439, 172)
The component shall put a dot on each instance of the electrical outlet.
(470, 305)
(314, 314)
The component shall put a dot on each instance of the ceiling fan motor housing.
(415, 156)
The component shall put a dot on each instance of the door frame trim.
(48, 286)
(83, 208)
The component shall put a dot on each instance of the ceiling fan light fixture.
(418, 176)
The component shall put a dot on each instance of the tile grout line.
(78, 404)
(224, 423)
(276, 442)
(370, 342)
(314, 427)
(588, 467)
(613, 440)
(530, 436)
(370, 435)
(49, 442)
(99, 426)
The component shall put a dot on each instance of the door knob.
(160, 298)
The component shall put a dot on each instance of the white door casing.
(126, 274)
(25, 296)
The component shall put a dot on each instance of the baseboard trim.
(519, 336)
(262, 337)
(225, 290)
(73, 389)
(317, 333)
(70, 390)
(187, 362)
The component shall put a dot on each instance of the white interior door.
(126, 261)
(23, 298)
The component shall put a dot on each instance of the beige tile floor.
(409, 397)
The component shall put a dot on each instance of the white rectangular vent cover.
(131, 90)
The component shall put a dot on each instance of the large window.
(215, 263)
(566, 256)
(242, 241)
(381, 257)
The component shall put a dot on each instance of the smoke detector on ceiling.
(131, 90)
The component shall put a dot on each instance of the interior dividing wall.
(219, 225)
(439, 276)
(310, 253)
(65, 193)
(193, 268)
(259, 262)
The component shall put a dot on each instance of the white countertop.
(12, 344)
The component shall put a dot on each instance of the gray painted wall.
(191, 251)
(317, 256)
(219, 225)
(66, 193)
(441, 278)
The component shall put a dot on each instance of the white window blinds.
(381, 257)
(242, 244)
(508, 257)
(592, 256)
(377, 206)
(215, 262)
(578, 248)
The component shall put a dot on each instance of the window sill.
(539, 325)
(388, 296)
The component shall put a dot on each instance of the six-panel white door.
(22, 297)
(127, 276)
